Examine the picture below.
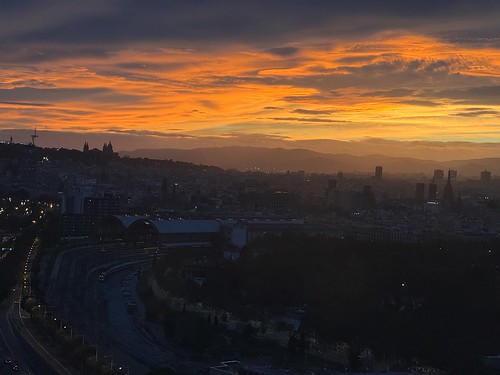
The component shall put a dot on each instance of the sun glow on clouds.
(397, 87)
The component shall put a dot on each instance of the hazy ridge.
(280, 159)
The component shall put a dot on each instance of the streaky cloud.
(283, 51)
(308, 119)
(313, 112)
(27, 104)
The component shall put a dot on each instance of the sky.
(274, 73)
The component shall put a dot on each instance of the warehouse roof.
(186, 226)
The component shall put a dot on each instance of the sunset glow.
(395, 83)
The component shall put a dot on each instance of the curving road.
(19, 346)
(98, 309)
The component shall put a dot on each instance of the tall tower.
(485, 177)
(448, 198)
(33, 137)
(378, 172)
(432, 191)
(438, 175)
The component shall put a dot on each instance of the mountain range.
(280, 160)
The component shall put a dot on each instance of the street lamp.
(70, 330)
(95, 347)
(82, 336)
(111, 364)
(44, 309)
(125, 369)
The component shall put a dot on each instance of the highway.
(13, 346)
(18, 346)
(98, 309)
(92, 307)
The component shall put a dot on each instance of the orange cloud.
(398, 87)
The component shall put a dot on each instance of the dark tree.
(302, 345)
(292, 345)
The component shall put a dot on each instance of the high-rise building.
(420, 192)
(432, 192)
(453, 174)
(448, 197)
(486, 177)
(378, 172)
(101, 206)
(438, 175)
(330, 192)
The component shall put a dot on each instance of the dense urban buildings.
(190, 227)
(93, 185)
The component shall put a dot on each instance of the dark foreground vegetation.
(436, 303)
(59, 337)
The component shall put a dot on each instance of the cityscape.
(124, 257)
(250, 188)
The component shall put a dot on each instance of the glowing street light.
(70, 330)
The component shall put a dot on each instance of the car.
(7, 361)
(15, 368)
(102, 275)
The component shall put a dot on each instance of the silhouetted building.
(275, 200)
(176, 233)
(420, 192)
(101, 206)
(107, 150)
(340, 175)
(73, 198)
(330, 192)
(438, 175)
(453, 174)
(486, 177)
(378, 172)
(365, 200)
(74, 225)
(432, 192)
(448, 197)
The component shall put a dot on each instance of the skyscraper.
(438, 175)
(432, 191)
(448, 197)
(378, 172)
(486, 177)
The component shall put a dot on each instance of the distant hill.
(279, 159)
